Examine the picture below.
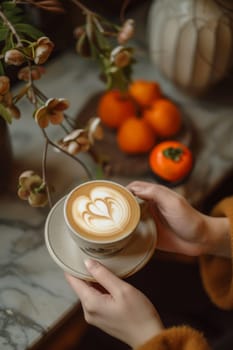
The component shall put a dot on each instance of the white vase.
(191, 41)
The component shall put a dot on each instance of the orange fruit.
(135, 136)
(171, 160)
(164, 117)
(144, 92)
(114, 108)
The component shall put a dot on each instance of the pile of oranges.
(144, 120)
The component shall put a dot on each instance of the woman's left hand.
(117, 308)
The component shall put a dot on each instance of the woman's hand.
(118, 308)
(181, 228)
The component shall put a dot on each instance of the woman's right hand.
(181, 228)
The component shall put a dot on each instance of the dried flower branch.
(26, 48)
(95, 40)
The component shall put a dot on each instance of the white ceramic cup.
(101, 216)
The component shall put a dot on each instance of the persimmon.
(171, 160)
(135, 136)
(164, 117)
(114, 108)
(144, 92)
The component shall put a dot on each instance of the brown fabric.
(177, 338)
(216, 272)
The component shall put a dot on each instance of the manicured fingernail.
(90, 263)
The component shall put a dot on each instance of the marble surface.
(33, 292)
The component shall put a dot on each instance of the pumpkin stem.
(174, 153)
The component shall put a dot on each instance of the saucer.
(66, 253)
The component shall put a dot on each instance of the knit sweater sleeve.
(216, 272)
(177, 338)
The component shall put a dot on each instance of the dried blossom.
(121, 56)
(14, 57)
(32, 188)
(43, 48)
(4, 84)
(51, 112)
(75, 142)
(78, 31)
(95, 131)
(81, 140)
(14, 111)
(126, 32)
(7, 101)
(33, 73)
(7, 98)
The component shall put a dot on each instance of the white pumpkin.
(191, 41)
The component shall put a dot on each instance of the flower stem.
(88, 172)
(124, 6)
(85, 10)
(11, 27)
(44, 171)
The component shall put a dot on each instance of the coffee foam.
(101, 211)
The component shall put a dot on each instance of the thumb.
(103, 276)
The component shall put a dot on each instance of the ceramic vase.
(191, 41)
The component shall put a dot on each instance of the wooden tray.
(119, 162)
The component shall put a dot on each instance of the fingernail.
(90, 263)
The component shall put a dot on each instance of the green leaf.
(120, 80)
(8, 5)
(101, 42)
(8, 45)
(13, 13)
(3, 33)
(5, 114)
(29, 30)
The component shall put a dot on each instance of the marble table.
(34, 294)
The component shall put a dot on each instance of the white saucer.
(70, 257)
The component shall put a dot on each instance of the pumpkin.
(191, 41)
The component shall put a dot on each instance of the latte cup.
(101, 217)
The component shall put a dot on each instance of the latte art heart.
(100, 208)
(103, 212)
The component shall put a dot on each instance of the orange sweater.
(217, 277)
